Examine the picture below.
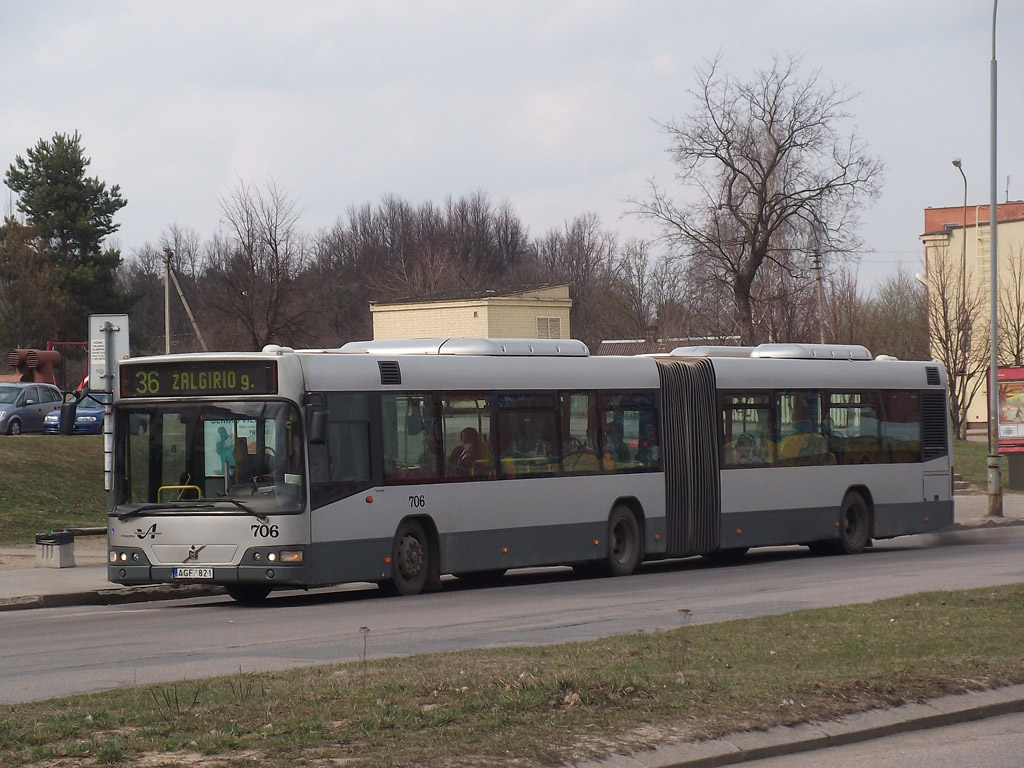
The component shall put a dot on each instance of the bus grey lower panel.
(778, 527)
(505, 548)
(690, 455)
(919, 517)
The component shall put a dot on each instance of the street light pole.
(995, 491)
(963, 325)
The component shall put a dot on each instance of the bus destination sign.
(198, 379)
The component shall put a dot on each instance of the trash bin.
(55, 549)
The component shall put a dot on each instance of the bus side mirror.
(318, 427)
(68, 409)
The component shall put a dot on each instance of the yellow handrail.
(180, 489)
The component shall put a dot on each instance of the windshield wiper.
(192, 505)
(241, 505)
(157, 507)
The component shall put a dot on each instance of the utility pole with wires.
(168, 277)
(816, 257)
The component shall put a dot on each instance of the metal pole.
(821, 298)
(963, 324)
(995, 490)
(167, 300)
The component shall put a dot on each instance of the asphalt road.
(53, 652)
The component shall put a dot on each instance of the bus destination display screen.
(199, 379)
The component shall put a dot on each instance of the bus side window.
(411, 432)
(901, 426)
(627, 436)
(801, 438)
(748, 430)
(342, 466)
(579, 434)
(472, 458)
(529, 443)
(853, 426)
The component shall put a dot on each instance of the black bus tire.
(854, 525)
(410, 558)
(624, 545)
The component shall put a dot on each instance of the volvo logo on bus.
(193, 553)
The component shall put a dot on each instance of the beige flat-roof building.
(532, 312)
(957, 251)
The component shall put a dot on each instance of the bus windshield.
(192, 455)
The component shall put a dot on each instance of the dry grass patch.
(546, 705)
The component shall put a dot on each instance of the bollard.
(55, 549)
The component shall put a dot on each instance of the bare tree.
(637, 269)
(783, 303)
(255, 268)
(897, 313)
(584, 255)
(186, 250)
(1011, 307)
(955, 318)
(843, 316)
(771, 173)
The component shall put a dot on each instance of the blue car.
(88, 416)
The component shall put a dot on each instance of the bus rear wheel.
(854, 525)
(624, 548)
(410, 558)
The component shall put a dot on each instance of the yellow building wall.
(501, 316)
(411, 321)
(975, 254)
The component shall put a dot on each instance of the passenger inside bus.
(465, 454)
(612, 449)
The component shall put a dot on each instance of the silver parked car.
(23, 406)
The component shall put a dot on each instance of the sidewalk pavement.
(22, 586)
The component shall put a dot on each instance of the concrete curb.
(787, 740)
(113, 596)
(988, 522)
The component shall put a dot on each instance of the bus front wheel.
(410, 558)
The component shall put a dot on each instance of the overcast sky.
(550, 106)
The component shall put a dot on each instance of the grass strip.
(539, 706)
(49, 482)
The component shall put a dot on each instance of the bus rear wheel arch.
(853, 526)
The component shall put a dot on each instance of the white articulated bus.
(399, 462)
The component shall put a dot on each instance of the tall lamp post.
(963, 323)
(995, 490)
